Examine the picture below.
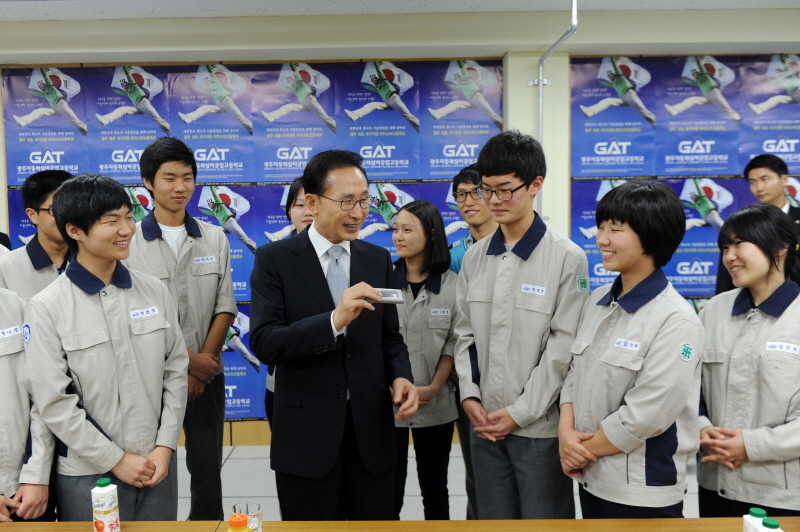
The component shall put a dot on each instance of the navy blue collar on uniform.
(525, 246)
(774, 305)
(432, 282)
(151, 230)
(91, 284)
(39, 257)
(642, 293)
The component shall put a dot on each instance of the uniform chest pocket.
(160, 273)
(82, 342)
(439, 322)
(578, 347)
(478, 295)
(205, 268)
(620, 359)
(149, 325)
(534, 303)
(11, 345)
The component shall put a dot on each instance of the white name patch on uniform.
(15, 330)
(144, 312)
(630, 345)
(440, 312)
(202, 260)
(533, 289)
(784, 347)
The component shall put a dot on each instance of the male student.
(473, 210)
(520, 294)
(24, 469)
(339, 355)
(768, 176)
(478, 216)
(192, 258)
(105, 362)
(27, 270)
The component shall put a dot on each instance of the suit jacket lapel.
(306, 264)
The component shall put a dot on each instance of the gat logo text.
(460, 150)
(780, 145)
(211, 154)
(45, 157)
(695, 267)
(600, 271)
(294, 152)
(615, 147)
(229, 388)
(377, 151)
(126, 156)
(696, 146)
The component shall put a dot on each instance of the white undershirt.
(174, 236)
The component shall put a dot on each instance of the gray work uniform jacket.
(106, 367)
(28, 270)
(199, 281)
(517, 313)
(635, 373)
(751, 381)
(19, 419)
(427, 324)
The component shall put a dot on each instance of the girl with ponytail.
(750, 403)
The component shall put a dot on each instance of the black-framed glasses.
(504, 194)
(350, 203)
(461, 195)
(48, 210)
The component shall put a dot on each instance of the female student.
(426, 321)
(750, 432)
(629, 402)
(297, 213)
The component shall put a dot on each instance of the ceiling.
(33, 10)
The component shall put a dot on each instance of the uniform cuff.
(518, 415)
(35, 475)
(168, 438)
(705, 422)
(618, 435)
(755, 446)
(109, 459)
(469, 391)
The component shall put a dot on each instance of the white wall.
(518, 37)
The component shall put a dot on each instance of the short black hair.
(468, 175)
(437, 252)
(291, 197)
(512, 152)
(315, 175)
(766, 160)
(164, 150)
(652, 210)
(83, 200)
(768, 228)
(38, 186)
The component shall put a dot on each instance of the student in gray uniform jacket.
(518, 296)
(24, 464)
(750, 437)
(427, 319)
(629, 403)
(105, 362)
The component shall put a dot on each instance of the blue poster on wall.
(693, 268)
(613, 120)
(460, 109)
(245, 377)
(293, 117)
(697, 98)
(128, 109)
(770, 108)
(210, 111)
(45, 121)
(377, 116)
(20, 228)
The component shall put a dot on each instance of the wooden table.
(788, 524)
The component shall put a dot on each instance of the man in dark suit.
(340, 359)
(768, 176)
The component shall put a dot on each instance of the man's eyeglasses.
(48, 210)
(504, 194)
(350, 203)
(461, 195)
